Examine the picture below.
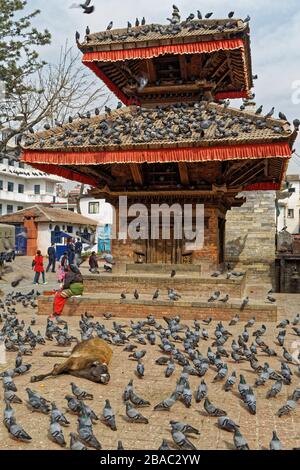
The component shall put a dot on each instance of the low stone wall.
(148, 284)
(140, 309)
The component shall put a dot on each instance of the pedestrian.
(93, 263)
(64, 261)
(78, 251)
(72, 286)
(51, 257)
(38, 267)
(71, 255)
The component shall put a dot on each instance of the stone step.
(146, 283)
(163, 268)
(130, 308)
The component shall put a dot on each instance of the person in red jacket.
(38, 267)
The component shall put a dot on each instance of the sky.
(275, 39)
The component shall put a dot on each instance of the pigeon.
(56, 434)
(231, 14)
(8, 414)
(155, 295)
(240, 442)
(250, 401)
(230, 382)
(73, 404)
(182, 441)
(275, 389)
(183, 427)
(272, 300)
(214, 297)
(286, 409)
(36, 402)
(109, 416)
(120, 446)
(57, 416)
(140, 369)
(138, 401)
(110, 25)
(201, 392)
(275, 443)
(245, 302)
(283, 324)
(166, 404)
(80, 394)
(287, 356)
(17, 432)
(137, 355)
(170, 368)
(75, 444)
(164, 445)
(212, 410)
(128, 390)
(208, 15)
(226, 423)
(134, 416)
(86, 435)
(136, 294)
(11, 397)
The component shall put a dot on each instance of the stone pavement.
(155, 387)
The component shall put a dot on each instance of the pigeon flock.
(194, 23)
(198, 122)
(216, 376)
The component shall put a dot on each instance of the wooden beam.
(259, 165)
(184, 174)
(151, 71)
(183, 67)
(100, 174)
(137, 174)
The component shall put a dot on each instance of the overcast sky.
(275, 33)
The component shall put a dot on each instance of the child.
(38, 267)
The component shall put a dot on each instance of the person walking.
(78, 251)
(38, 267)
(51, 257)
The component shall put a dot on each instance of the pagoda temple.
(177, 140)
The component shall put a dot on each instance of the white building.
(289, 208)
(22, 186)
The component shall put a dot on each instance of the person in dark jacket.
(93, 262)
(72, 286)
(51, 257)
(64, 261)
(71, 255)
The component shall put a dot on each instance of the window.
(10, 187)
(1, 185)
(94, 208)
(290, 213)
(20, 208)
(21, 165)
(11, 162)
(0, 209)
(21, 188)
(10, 209)
(37, 189)
(69, 229)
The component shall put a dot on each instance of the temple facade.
(177, 140)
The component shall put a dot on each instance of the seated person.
(93, 263)
(108, 261)
(73, 285)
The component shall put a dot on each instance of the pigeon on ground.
(75, 444)
(57, 416)
(137, 355)
(134, 416)
(183, 427)
(17, 432)
(287, 408)
(226, 423)
(240, 442)
(164, 445)
(109, 416)
(166, 404)
(201, 392)
(56, 435)
(275, 389)
(212, 410)
(86, 435)
(11, 397)
(182, 441)
(138, 401)
(230, 382)
(275, 443)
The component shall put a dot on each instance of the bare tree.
(57, 91)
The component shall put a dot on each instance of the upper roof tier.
(154, 64)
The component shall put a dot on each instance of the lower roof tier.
(195, 147)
